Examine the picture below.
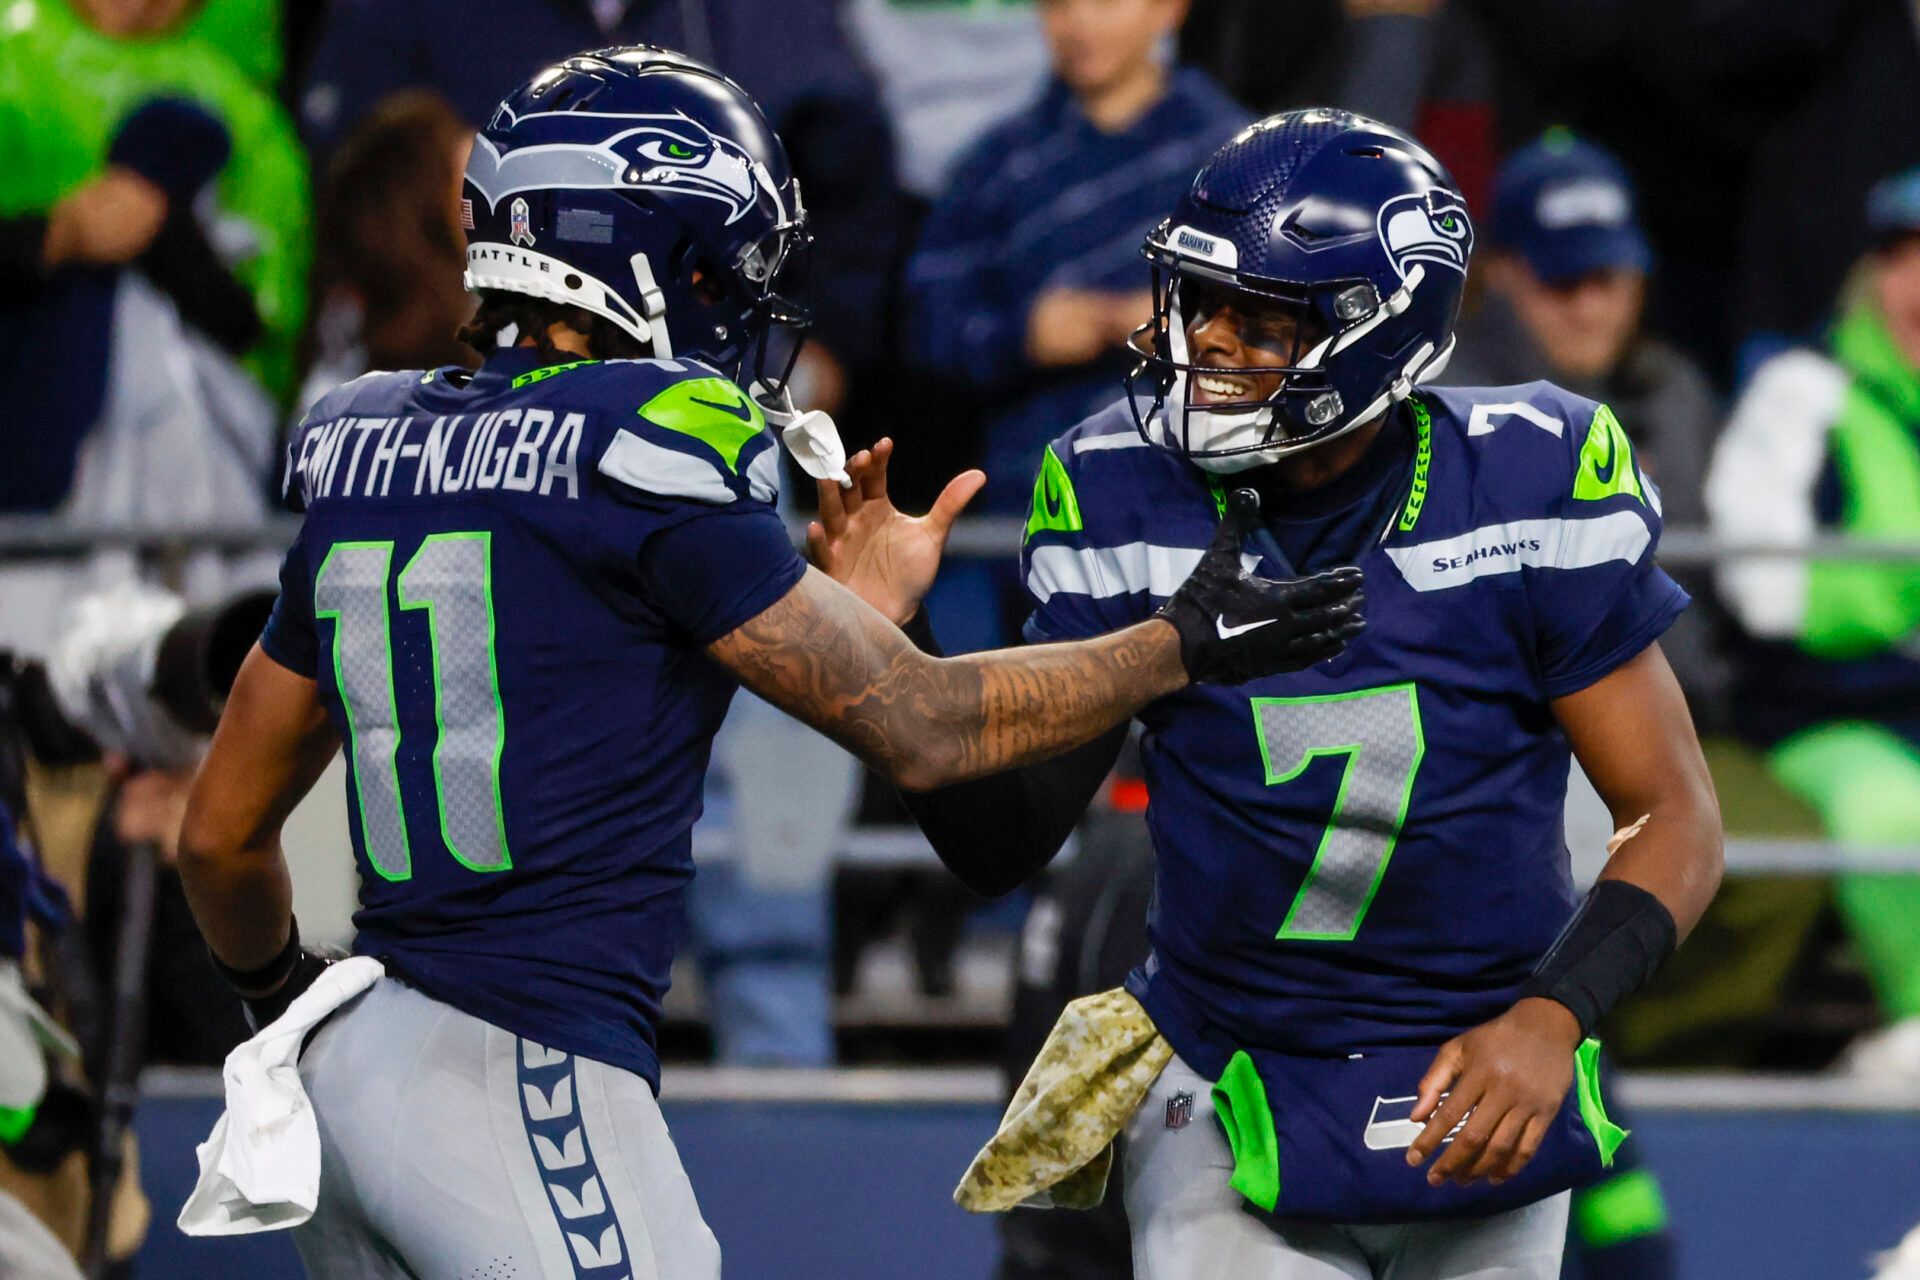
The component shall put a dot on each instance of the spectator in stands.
(1418, 65)
(154, 263)
(792, 57)
(388, 292)
(254, 34)
(1860, 116)
(1027, 279)
(1565, 288)
(778, 803)
(1829, 440)
(947, 73)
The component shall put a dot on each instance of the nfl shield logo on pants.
(1179, 1110)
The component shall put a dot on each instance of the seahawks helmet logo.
(1426, 228)
(673, 154)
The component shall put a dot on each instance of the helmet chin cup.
(1227, 464)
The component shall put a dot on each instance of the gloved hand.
(1235, 627)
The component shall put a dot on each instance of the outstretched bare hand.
(882, 555)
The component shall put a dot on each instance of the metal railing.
(974, 538)
(1746, 856)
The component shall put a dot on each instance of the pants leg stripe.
(549, 1107)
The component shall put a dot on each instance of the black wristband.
(1614, 942)
(919, 629)
(267, 976)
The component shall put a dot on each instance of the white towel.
(260, 1168)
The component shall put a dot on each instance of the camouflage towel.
(1055, 1144)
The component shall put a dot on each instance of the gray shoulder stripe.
(763, 475)
(1109, 571)
(1119, 440)
(651, 468)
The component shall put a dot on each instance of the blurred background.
(1705, 212)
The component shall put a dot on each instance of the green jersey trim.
(1593, 1109)
(1240, 1100)
(712, 411)
(1056, 508)
(1606, 461)
(1422, 463)
(532, 376)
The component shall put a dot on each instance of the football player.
(521, 598)
(1367, 955)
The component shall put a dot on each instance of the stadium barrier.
(974, 537)
(852, 1172)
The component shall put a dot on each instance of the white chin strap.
(1216, 429)
(1223, 441)
(513, 269)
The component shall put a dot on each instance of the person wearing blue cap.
(1828, 441)
(1565, 293)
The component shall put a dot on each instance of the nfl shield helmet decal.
(1426, 228)
(1180, 1110)
(520, 224)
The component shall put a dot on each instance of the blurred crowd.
(1707, 215)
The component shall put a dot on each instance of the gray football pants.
(1188, 1224)
(453, 1150)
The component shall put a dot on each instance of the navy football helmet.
(643, 186)
(1349, 224)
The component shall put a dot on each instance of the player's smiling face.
(1233, 336)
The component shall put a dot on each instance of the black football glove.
(1236, 627)
(266, 992)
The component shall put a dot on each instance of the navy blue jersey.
(1369, 853)
(503, 586)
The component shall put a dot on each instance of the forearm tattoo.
(830, 660)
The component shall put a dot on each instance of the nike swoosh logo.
(738, 408)
(1051, 497)
(1604, 474)
(1228, 633)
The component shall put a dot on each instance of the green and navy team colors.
(1367, 856)
(503, 586)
